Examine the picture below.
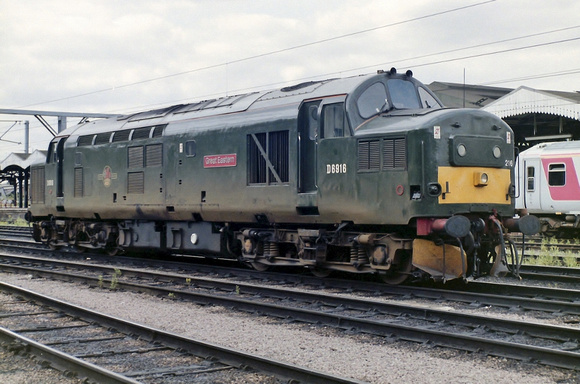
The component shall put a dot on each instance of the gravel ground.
(362, 357)
(18, 369)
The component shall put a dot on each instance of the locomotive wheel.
(260, 267)
(112, 251)
(77, 249)
(400, 274)
(320, 272)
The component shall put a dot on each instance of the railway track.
(104, 349)
(15, 232)
(552, 274)
(500, 293)
(13, 235)
(551, 345)
(15, 238)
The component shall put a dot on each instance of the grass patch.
(18, 222)
(550, 254)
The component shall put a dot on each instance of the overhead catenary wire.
(568, 72)
(379, 65)
(432, 62)
(435, 14)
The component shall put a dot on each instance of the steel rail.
(544, 273)
(547, 273)
(526, 291)
(559, 358)
(551, 270)
(528, 297)
(64, 362)
(226, 355)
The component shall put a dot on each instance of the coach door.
(532, 183)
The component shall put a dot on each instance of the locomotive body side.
(549, 187)
(366, 174)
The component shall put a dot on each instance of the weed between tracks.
(114, 280)
(551, 255)
(14, 222)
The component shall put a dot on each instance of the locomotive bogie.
(327, 250)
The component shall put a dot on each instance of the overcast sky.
(111, 56)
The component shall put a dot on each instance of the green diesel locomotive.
(366, 174)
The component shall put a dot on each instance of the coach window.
(372, 100)
(333, 120)
(531, 175)
(557, 175)
(190, 148)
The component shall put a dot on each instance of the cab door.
(55, 174)
(308, 133)
(307, 142)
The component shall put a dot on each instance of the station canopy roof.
(524, 100)
(21, 161)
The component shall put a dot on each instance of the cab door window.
(51, 155)
(334, 121)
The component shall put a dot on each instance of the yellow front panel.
(459, 187)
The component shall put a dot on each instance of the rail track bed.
(100, 348)
(350, 308)
(15, 232)
(544, 305)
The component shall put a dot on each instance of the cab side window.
(427, 101)
(51, 157)
(334, 121)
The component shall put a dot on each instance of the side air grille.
(135, 157)
(279, 156)
(85, 140)
(394, 154)
(369, 155)
(37, 183)
(135, 183)
(382, 154)
(103, 138)
(256, 161)
(268, 158)
(121, 135)
(158, 130)
(141, 133)
(154, 155)
(78, 182)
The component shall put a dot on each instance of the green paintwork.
(182, 189)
